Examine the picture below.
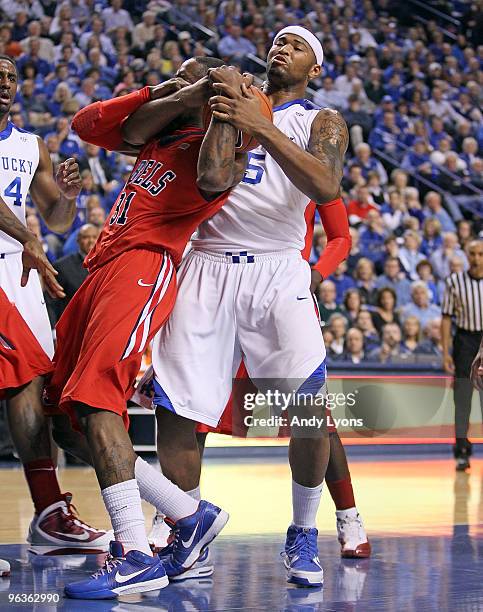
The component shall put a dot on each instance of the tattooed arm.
(316, 172)
(219, 168)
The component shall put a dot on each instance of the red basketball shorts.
(21, 357)
(232, 421)
(104, 330)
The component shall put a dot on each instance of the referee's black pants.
(465, 347)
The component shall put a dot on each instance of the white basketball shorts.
(29, 300)
(231, 306)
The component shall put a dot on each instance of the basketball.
(245, 142)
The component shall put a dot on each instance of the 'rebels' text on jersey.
(160, 206)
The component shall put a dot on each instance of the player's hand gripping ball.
(231, 77)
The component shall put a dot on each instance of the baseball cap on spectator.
(184, 35)
(434, 66)
(138, 64)
(387, 99)
(355, 58)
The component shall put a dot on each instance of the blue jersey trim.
(7, 131)
(307, 104)
(161, 398)
(315, 381)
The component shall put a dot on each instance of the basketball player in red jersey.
(126, 298)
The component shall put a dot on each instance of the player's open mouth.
(4, 97)
(279, 59)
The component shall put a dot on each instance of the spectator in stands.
(373, 86)
(71, 271)
(464, 232)
(409, 254)
(338, 326)
(234, 47)
(353, 178)
(420, 305)
(431, 345)
(433, 208)
(368, 163)
(441, 257)
(95, 217)
(355, 253)
(411, 334)
(342, 281)
(358, 209)
(143, 32)
(375, 188)
(354, 346)
(432, 238)
(366, 280)
(46, 46)
(418, 159)
(351, 305)
(372, 238)
(330, 97)
(394, 212)
(359, 122)
(117, 17)
(385, 312)
(344, 82)
(395, 279)
(100, 171)
(385, 137)
(327, 301)
(391, 347)
(439, 107)
(425, 273)
(365, 324)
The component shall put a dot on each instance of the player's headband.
(309, 38)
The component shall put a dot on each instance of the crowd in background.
(411, 93)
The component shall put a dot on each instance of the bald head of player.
(294, 59)
(8, 87)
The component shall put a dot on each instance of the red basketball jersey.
(160, 206)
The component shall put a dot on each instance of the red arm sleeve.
(336, 225)
(100, 122)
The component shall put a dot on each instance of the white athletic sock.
(123, 503)
(349, 513)
(305, 503)
(195, 493)
(162, 493)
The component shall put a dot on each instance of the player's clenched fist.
(68, 178)
(230, 76)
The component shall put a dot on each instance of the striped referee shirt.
(463, 299)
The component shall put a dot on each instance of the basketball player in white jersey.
(25, 167)
(244, 290)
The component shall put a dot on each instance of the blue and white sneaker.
(192, 535)
(301, 557)
(134, 572)
(202, 568)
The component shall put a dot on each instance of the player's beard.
(279, 77)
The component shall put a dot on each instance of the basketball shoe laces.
(71, 514)
(304, 546)
(109, 564)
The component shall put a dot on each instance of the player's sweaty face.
(290, 58)
(8, 84)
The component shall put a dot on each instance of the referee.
(463, 302)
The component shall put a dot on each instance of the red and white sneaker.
(59, 526)
(159, 536)
(352, 535)
(4, 568)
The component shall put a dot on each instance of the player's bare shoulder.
(329, 138)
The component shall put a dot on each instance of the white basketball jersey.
(265, 211)
(19, 158)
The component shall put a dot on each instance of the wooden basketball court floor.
(425, 522)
